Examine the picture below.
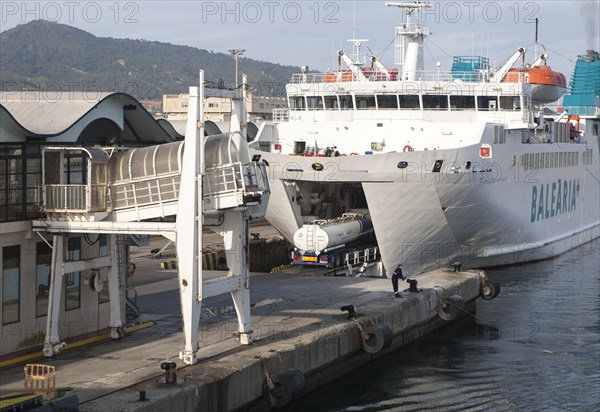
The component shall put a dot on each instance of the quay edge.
(323, 352)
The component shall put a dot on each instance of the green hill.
(41, 55)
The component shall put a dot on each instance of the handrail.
(344, 76)
(75, 198)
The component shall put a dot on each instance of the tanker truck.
(326, 243)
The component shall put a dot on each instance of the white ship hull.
(480, 217)
(450, 167)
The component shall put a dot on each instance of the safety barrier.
(40, 379)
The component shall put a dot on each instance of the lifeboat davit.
(547, 85)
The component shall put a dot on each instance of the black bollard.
(170, 369)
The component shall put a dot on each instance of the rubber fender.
(289, 386)
(489, 290)
(380, 336)
(450, 308)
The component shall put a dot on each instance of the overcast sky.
(309, 32)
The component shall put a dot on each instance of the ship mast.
(409, 40)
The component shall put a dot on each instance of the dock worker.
(395, 277)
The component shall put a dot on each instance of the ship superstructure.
(463, 166)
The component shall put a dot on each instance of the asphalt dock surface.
(297, 323)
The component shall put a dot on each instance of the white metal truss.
(235, 192)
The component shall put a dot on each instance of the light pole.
(236, 53)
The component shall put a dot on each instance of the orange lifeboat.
(548, 85)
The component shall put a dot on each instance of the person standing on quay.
(395, 277)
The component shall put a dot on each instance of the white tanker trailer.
(325, 241)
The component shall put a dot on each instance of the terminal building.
(217, 110)
(30, 124)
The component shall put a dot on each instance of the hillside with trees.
(42, 55)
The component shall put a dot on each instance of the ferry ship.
(468, 166)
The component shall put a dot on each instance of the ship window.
(297, 103)
(11, 284)
(387, 102)
(346, 103)
(487, 103)
(410, 102)
(331, 103)
(510, 102)
(595, 129)
(299, 147)
(462, 102)
(314, 103)
(365, 102)
(435, 102)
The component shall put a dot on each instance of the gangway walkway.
(124, 191)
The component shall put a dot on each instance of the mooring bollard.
(170, 369)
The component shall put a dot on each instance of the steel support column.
(52, 343)
(235, 238)
(189, 225)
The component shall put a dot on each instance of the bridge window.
(365, 103)
(487, 103)
(510, 103)
(462, 102)
(346, 103)
(297, 103)
(387, 101)
(11, 284)
(314, 103)
(74, 169)
(435, 102)
(331, 103)
(410, 102)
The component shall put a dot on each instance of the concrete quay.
(297, 323)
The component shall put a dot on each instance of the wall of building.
(218, 109)
(25, 267)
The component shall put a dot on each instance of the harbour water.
(534, 348)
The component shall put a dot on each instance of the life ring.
(408, 148)
(130, 271)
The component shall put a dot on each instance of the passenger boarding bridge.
(130, 191)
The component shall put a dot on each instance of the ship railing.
(75, 198)
(413, 28)
(343, 76)
(281, 115)
(362, 256)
